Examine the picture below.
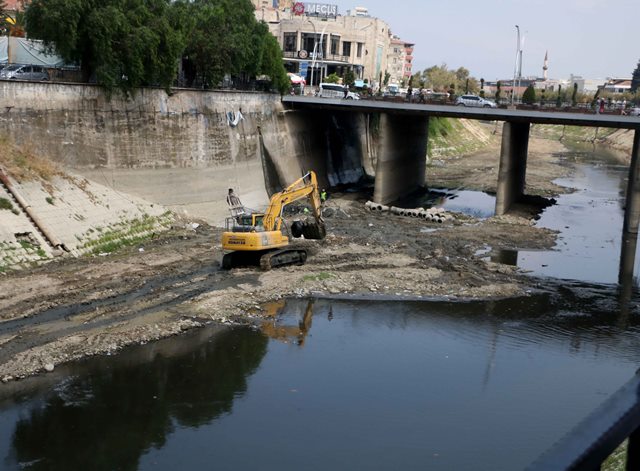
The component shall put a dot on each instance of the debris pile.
(430, 214)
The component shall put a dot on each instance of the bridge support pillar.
(631, 216)
(402, 156)
(513, 165)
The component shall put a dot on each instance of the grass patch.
(6, 204)
(125, 234)
(323, 275)
(617, 461)
(24, 164)
(26, 245)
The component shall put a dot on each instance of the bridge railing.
(589, 444)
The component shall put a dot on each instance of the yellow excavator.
(257, 238)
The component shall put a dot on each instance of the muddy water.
(336, 385)
(588, 220)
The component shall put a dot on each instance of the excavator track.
(265, 260)
(281, 258)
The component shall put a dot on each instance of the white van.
(334, 90)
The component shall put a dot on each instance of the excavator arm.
(305, 187)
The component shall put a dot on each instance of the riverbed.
(437, 382)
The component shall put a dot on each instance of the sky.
(589, 38)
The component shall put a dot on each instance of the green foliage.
(387, 76)
(349, 78)
(323, 275)
(123, 45)
(221, 40)
(574, 94)
(498, 91)
(529, 96)
(332, 78)
(5, 204)
(635, 79)
(267, 59)
(440, 78)
(439, 127)
(560, 97)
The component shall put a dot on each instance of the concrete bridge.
(402, 149)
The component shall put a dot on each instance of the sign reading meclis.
(321, 9)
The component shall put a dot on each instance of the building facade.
(317, 41)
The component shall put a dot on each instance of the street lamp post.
(315, 49)
(515, 66)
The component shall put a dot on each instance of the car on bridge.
(634, 111)
(475, 100)
(334, 90)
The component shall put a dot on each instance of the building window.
(359, 50)
(346, 48)
(290, 42)
(335, 44)
(309, 41)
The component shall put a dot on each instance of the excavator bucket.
(313, 230)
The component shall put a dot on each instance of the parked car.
(24, 72)
(474, 100)
(334, 90)
(634, 111)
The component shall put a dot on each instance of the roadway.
(450, 111)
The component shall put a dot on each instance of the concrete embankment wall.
(180, 151)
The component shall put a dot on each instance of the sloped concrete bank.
(68, 215)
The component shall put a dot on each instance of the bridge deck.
(450, 111)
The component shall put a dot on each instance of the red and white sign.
(298, 8)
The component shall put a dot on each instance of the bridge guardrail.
(589, 444)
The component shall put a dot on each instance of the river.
(369, 384)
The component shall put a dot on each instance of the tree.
(498, 92)
(529, 96)
(267, 59)
(220, 42)
(332, 78)
(3, 17)
(350, 78)
(559, 98)
(122, 44)
(387, 76)
(574, 95)
(635, 79)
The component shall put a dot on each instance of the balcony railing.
(319, 56)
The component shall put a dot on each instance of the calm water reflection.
(335, 385)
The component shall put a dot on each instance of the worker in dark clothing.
(232, 199)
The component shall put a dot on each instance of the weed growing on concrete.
(22, 163)
(26, 245)
(126, 233)
(6, 204)
(49, 200)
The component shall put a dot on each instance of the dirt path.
(73, 308)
